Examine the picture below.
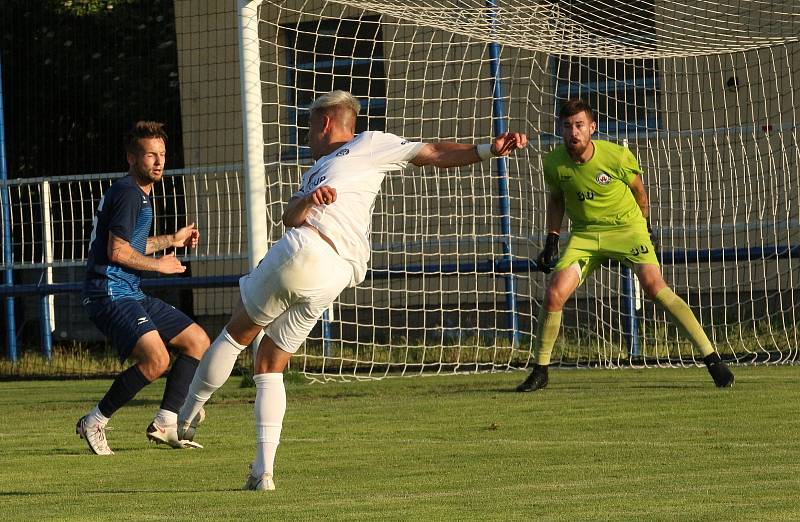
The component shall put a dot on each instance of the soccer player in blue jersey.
(140, 327)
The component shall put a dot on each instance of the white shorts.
(293, 285)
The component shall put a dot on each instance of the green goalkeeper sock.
(546, 334)
(682, 316)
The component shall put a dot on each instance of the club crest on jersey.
(343, 152)
(602, 178)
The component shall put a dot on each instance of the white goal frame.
(724, 100)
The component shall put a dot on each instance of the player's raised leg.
(215, 368)
(681, 315)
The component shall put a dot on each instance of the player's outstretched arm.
(297, 208)
(122, 253)
(449, 154)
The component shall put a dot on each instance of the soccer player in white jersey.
(325, 249)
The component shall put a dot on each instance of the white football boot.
(261, 483)
(94, 435)
(168, 434)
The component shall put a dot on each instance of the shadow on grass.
(120, 492)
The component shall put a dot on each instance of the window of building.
(623, 92)
(334, 54)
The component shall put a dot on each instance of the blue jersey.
(125, 211)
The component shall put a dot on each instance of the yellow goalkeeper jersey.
(597, 195)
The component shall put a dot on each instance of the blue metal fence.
(8, 273)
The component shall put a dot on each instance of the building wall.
(208, 60)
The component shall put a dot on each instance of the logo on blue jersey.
(602, 178)
(343, 152)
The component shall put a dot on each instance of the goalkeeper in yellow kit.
(599, 186)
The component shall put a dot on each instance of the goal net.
(703, 94)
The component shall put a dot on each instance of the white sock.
(166, 417)
(212, 372)
(270, 408)
(95, 417)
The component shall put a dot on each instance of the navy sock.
(125, 387)
(178, 381)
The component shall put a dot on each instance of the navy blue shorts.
(126, 320)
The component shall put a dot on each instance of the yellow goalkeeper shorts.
(630, 245)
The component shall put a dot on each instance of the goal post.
(253, 153)
(704, 96)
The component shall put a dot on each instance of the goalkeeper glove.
(547, 257)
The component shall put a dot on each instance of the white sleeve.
(390, 152)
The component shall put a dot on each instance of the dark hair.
(573, 107)
(142, 130)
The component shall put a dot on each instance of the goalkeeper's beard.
(577, 149)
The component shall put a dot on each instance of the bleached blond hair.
(336, 99)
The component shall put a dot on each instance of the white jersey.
(356, 170)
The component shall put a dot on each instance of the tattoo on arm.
(124, 254)
(158, 243)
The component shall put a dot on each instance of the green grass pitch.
(658, 444)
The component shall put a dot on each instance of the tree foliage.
(77, 74)
(87, 7)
